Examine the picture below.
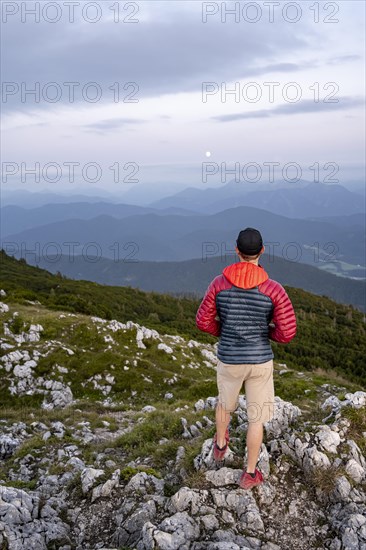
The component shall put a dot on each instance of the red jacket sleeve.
(206, 313)
(284, 318)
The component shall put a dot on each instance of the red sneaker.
(247, 481)
(220, 453)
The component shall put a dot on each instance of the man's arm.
(206, 313)
(284, 318)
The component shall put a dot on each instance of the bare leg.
(222, 422)
(254, 442)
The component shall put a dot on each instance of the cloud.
(279, 68)
(27, 126)
(302, 107)
(111, 125)
(343, 59)
(169, 51)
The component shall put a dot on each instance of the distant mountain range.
(301, 200)
(15, 219)
(29, 199)
(140, 193)
(192, 277)
(156, 237)
(324, 225)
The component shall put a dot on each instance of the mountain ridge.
(306, 200)
(191, 277)
(110, 425)
(150, 231)
(319, 344)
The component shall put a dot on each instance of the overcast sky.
(168, 53)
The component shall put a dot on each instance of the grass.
(17, 324)
(74, 487)
(69, 416)
(164, 453)
(144, 437)
(18, 484)
(192, 449)
(34, 445)
(142, 442)
(59, 468)
(197, 480)
(128, 472)
(322, 376)
(324, 478)
(293, 389)
(357, 418)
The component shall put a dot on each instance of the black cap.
(249, 241)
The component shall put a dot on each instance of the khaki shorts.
(259, 388)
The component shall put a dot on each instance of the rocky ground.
(106, 442)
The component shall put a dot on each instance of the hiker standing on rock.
(252, 309)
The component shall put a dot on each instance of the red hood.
(245, 274)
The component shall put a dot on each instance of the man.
(252, 309)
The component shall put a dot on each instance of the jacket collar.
(245, 274)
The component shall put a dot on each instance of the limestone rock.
(355, 471)
(175, 532)
(106, 488)
(88, 478)
(356, 400)
(8, 445)
(327, 439)
(143, 484)
(284, 414)
(314, 459)
(223, 476)
(4, 308)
